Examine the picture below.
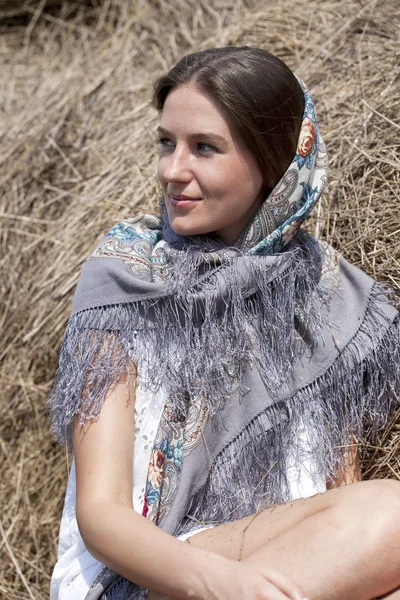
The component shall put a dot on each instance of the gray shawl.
(250, 343)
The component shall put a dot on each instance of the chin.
(186, 228)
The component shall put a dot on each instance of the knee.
(385, 520)
(385, 505)
(382, 495)
(374, 506)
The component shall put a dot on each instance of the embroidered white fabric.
(76, 568)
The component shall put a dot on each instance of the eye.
(162, 141)
(204, 145)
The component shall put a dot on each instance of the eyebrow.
(218, 139)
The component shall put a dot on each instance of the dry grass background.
(78, 155)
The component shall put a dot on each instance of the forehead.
(188, 109)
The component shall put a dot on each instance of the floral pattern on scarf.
(175, 439)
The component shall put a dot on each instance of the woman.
(220, 367)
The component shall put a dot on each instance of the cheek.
(242, 183)
(224, 180)
(245, 171)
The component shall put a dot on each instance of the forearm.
(138, 550)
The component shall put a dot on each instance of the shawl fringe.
(187, 345)
(367, 374)
(354, 398)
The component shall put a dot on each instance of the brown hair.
(259, 91)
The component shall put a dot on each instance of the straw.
(78, 155)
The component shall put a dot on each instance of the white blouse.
(76, 568)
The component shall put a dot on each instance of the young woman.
(220, 367)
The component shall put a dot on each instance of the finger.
(285, 584)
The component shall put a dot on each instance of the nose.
(175, 166)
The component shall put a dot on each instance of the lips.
(182, 201)
(183, 197)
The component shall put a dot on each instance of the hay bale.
(78, 155)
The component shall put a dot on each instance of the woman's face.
(211, 181)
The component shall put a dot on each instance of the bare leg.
(341, 545)
(332, 557)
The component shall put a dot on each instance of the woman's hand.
(232, 580)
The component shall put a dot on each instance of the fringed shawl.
(252, 344)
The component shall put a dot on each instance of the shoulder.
(340, 275)
(129, 255)
(353, 300)
(141, 228)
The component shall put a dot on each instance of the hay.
(78, 155)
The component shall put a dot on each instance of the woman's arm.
(112, 531)
(350, 472)
(134, 547)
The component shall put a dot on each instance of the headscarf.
(249, 342)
